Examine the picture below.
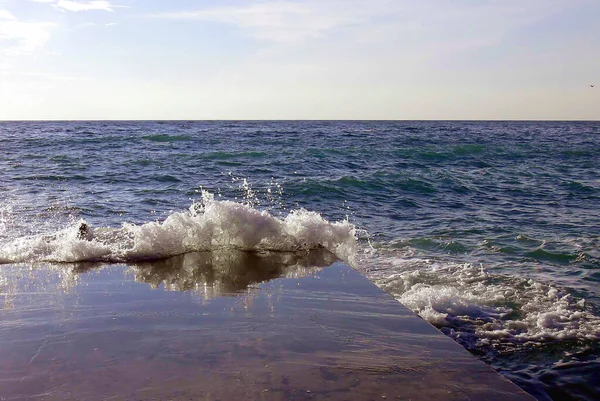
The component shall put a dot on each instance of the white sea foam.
(484, 308)
(207, 225)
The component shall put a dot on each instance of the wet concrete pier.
(225, 331)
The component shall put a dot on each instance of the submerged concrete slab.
(331, 335)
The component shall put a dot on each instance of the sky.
(300, 59)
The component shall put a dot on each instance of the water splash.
(208, 225)
(483, 310)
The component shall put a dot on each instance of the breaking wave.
(208, 225)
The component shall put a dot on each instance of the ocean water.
(488, 230)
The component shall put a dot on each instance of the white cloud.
(34, 77)
(273, 21)
(76, 6)
(85, 5)
(6, 15)
(21, 37)
(294, 21)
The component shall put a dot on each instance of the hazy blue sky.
(300, 59)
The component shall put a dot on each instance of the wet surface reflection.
(223, 326)
(205, 274)
(228, 272)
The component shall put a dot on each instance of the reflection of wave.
(208, 274)
(227, 272)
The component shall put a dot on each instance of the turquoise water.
(489, 230)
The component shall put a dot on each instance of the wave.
(167, 138)
(233, 155)
(208, 225)
(481, 310)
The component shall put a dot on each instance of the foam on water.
(483, 310)
(520, 197)
(208, 225)
(477, 307)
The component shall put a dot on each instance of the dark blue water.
(489, 230)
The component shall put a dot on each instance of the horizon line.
(291, 120)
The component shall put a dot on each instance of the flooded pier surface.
(224, 326)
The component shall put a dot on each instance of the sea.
(488, 230)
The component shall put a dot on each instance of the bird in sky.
(591, 86)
